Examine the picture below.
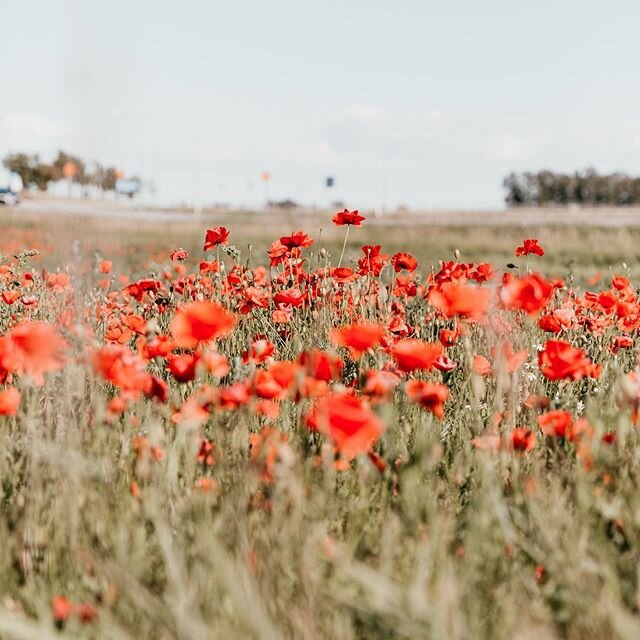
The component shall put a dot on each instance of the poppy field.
(318, 435)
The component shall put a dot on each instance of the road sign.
(69, 169)
(127, 187)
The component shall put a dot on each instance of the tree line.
(582, 187)
(36, 173)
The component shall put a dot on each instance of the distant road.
(99, 209)
(599, 217)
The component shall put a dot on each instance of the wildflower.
(215, 237)
(178, 255)
(200, 322)
(36, 348)
(9, 401)
(183, 366)
(412, 354)
(373, 261)
(348, 421)
(9, 297)
(347, 217)
(402, 261)
(530, 293)
(560, 361)
(556, 423)
(358, 338)
(105, 266)
(457, 299)
(429, 395)
(529, 247)
(523, 439)
(481, 365)
(296, 240)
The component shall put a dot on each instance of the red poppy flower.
(348, 217)
(183, 366)
(348, 421)
(529, 247)
(429, 395)
(123, 368)
(621, 342)
(560, 361)
(481, 366)
(344, 275)
(105, 266)
(412, 354)
(38, 349)
(321, 365)
(9, 401)
(178, 255)
(402, 261)
(445, 364)
(530, 293)
(277, 253)
(456, 299)
(556, 423)
(523, 439)
(9, 297)
(200, 322)
(373, 261)
(296, 239)
(358, 338)
(215, 237)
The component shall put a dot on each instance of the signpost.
(69, 171)
(127, 187)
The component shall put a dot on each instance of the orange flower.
(529, 293)
(348, 421)
(9, 401)
(457, 299)
(481, 365)
(556, 423)
(61, 608)
(105, 266)
(200, 322)
(358, 338)
(412, 354)
(9, 297)
(560, 361)
(122, 367)
(429, 395)
(58, 282)
(38, 349)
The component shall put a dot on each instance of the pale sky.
(415, 102)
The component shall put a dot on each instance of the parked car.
(8, 197)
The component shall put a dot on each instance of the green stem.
(344, 245)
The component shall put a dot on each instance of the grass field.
(380, 450)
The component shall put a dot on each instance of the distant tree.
(516, 190)
(62, 159)
(109, 179)
(585, 188)
(33, 172)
